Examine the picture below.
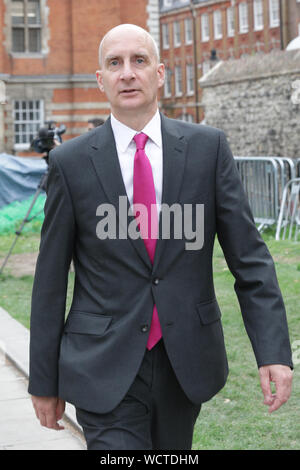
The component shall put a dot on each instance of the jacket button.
(155, 281)
(144, 328)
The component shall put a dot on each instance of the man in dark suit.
(142, 346)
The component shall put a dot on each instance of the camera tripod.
(41, 187)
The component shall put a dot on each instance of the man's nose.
(127, 71)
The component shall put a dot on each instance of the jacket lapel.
(103, 154)
(174, 157)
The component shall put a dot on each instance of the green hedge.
(12, 215)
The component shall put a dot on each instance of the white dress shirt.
(126, 149)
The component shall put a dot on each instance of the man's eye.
(114, 62)
(140, 60)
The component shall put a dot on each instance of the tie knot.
(140, 140)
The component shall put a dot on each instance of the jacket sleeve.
(50, 283)
(251, 264)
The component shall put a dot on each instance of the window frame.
(188, 30)
(36, 122)
(274, 23)
(190, 81)
(168, 83)
(178, 80)
(204, 27)
(230, 22)
(257, 4)
(218, 23)
(176, 33)
(243, 9)
(26, 27)
(165, 36)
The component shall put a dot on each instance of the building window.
(165, 36)
(177, 39)
(206, 67)
(178, 81)
(274, 13)
(28, 117)
(217, 24)
(230, 22)
(190, 79)
(188, 28)
(258, 15)
(186, 117)
(167, 3)
(26, 26)
(167, 84)
(205, 27)
(243, 17)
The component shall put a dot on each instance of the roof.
(169, 5)
(257, 66)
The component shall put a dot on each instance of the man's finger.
(265, 386)
(276, 404)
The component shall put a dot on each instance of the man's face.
(130, 74)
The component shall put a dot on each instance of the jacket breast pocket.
(87, 323)
(209, 312)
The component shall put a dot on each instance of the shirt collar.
(124, 134)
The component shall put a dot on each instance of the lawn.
(236, 418)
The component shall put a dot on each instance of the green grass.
(236, 417)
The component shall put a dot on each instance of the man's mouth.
(129, 90)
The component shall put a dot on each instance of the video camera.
(45, 141)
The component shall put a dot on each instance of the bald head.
(130, 29)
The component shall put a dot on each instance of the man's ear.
(99, 80)
(161, 75)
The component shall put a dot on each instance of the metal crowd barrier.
(298, 167)
(264, 180)
(288, 224)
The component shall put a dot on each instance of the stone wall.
(256, 101)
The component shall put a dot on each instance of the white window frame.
(243, 18)
(167, 3)
(186, 117)
(258, 15)
(178, 80)
(188, 30)
(176, 34)
(26, 121)
(218, 32)
(168, 83)
(274, 20)
(190, 83)
(230, 22)
(205, 27)
(206, 66)
(27, 27)
(165, 35)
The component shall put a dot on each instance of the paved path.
(19, 427)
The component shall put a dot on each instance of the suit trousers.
(154, 414)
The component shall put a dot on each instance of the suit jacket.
(92, 358)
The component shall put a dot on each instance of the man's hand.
(49, 410)
(282, 377)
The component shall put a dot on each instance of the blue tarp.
(19, 177)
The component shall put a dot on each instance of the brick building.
(48, 59)
(224, 30)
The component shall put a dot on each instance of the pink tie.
(144, 193)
